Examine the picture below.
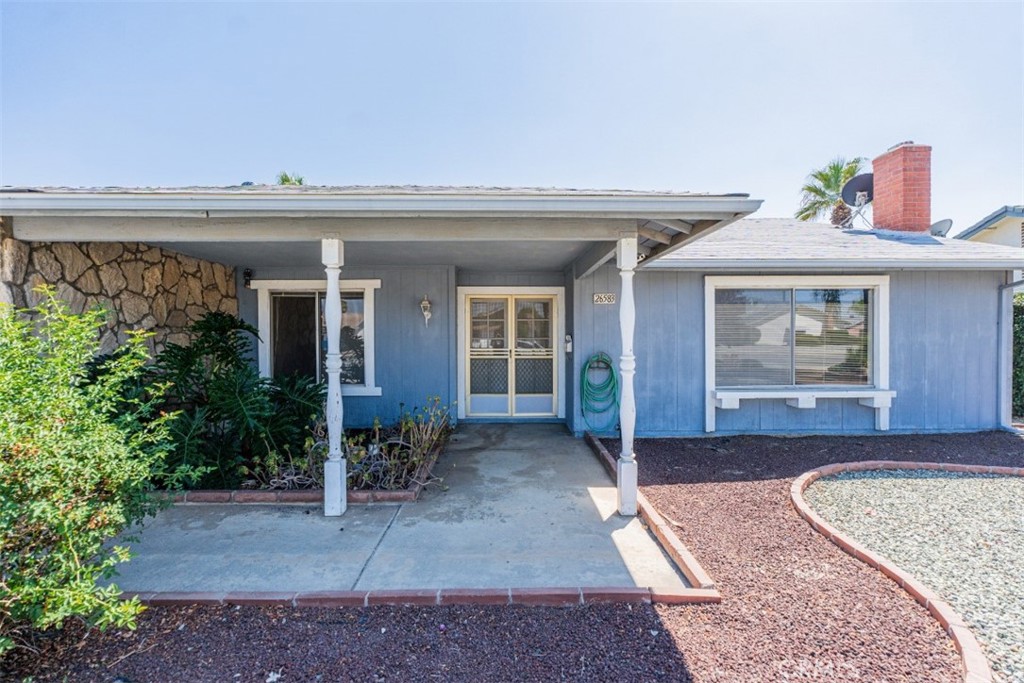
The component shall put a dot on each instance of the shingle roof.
(774, 244)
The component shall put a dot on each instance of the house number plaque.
(604, 298)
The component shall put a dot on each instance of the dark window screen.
(295, 335)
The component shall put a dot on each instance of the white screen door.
(511, 356)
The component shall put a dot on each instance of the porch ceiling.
(494, 255)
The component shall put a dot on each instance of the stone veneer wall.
(144, 287)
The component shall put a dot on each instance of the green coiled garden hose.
(600, 396)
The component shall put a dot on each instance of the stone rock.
(195, 291)
(152, 255)
(6, 295)
(32, 296)
(112, 279)
(47, 266)
(74, 298)
(148, 323)
(133, 275)
(229, 306)
(179, 338)
(206, 273)
(211, 299)
(160, 310)
(89, 282)
(177, 318)
(188, 264)
(71, 257)
(151, 279)
(181, 296)
(195, 313)
(133, 307)
(13, 261)
(220, 276)
(172, 273)
(108, 343)
(231, 282)
(105, 252)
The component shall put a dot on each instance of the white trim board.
(876, 396)
(460, 335)
(264, 288)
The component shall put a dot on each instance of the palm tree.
(823, 188)
(283, 178)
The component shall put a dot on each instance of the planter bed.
(306, 496)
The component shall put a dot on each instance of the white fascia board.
(369, 206)
(794, 266)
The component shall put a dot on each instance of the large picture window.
(792, 337)
(293, 331)
(796, 338)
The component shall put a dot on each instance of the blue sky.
(736, 97)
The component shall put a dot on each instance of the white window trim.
(877, 396)
(264, 289)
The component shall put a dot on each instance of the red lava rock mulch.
(795, 607)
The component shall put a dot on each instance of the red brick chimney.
(903, 188)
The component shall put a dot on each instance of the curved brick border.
(976, 668)
(703, 586)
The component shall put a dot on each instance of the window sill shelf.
(878, 399)
(351, 390)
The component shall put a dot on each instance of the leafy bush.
(76, 452)
(231, 419)
(1018, 355)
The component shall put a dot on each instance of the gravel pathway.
(960, 534)
(796, 607)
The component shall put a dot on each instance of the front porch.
(385, 269)
(522, 506)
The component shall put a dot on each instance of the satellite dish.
(940, 228)
(865, 182)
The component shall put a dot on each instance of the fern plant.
(231, 418)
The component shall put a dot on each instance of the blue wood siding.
(412, 360)
(943, 350)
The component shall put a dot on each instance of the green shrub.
(77, 449)
(1018, 355)
(230, 418)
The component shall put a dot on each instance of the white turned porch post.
(626, 466)
(335, 496)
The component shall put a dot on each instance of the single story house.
(495, 298)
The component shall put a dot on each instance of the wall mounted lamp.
(425, 309)
(247, 278)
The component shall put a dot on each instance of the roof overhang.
(163, 204)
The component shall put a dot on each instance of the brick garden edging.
(976, 668)
(544, 597)
(704, 589)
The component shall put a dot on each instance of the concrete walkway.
(521, 506)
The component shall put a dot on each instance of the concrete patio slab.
(521, 506)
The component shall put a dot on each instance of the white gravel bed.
(962, 535)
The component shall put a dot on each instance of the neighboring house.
(1003, 226)
(522, 286)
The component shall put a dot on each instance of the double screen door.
(511, 359)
